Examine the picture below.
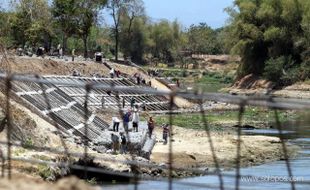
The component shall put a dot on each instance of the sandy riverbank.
(191, 148)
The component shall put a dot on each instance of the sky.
(187, 12)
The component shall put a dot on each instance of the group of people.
(114, 73)
(139, 79)
(135, 118)
(127, 117)
(117, 144)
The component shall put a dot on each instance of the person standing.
(135, 120)
(73, 54)
(150, 125)
(165, 133)
(112, 72)
(123, 143)
(115, 122)
(132, 102)
(61, 53)
(123, 102)
(126, 120)
(143, 106)
(115, 142)
(58, 50)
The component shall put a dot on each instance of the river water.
(266, 176)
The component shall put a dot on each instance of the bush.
(28, 143)
(273, 70)
(45, 172)
(291, 76)
(305, 70)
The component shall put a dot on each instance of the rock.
(192, 157)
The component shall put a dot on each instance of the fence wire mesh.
(242, 101)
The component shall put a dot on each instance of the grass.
(28, 143)
(217, 120)
(19, 151)
(45, 171)
(213, 77)
(42, 157)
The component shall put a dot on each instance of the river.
(265, 176)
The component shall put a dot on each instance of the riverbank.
(253, 85)
(191, 149)
(27, 182)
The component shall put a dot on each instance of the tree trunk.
(64, 43)
(85, 46)
(116, 44)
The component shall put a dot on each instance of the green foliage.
(274, 68)
(203, 39)
(213, 77)
(92, 181)
(77, 18)
(266, 31)
(219, 120)
(31, 22)
(284, 71)
(5, 29)
(45, 171)
(28, 143)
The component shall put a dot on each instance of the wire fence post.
(170, 158)
(284, 148)
(241, 111)
(8, 81)
(210, 141)
(8, 116)
(88, 88)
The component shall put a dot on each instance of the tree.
(116, 8)
(64, 13)
(32, 21)
(5, 29)
(134, 9)
(87, 13)
(259, 31)
(203, 39)
(165, 37)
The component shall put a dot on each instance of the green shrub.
(28, 143)
(274, 68)
(45, 171)
(305, 70)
